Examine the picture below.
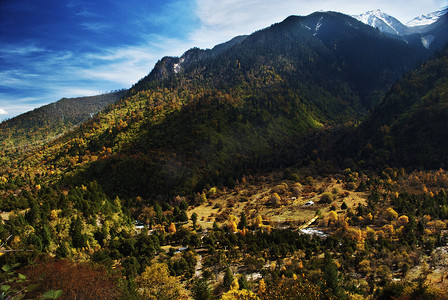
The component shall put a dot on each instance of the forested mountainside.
(324, 49)
(405, 130)
(408, 128)
(47, 122)
(245, 172)
(211, 118)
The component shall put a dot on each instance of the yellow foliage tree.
(239, 295)
(156, 283)
(332, 217)
(388, 229)
(364, 266)
(391, 214)
(261, 287)
(259, 221)
(233, 218)
(232, 226)
(53, 214)
(212, 191)
(235, 285)
(275, 199)
(403, 220)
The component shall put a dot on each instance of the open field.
(292, 206)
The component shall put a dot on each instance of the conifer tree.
(228, 279)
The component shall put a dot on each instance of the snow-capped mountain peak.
(368, 17)
(382, 21)
(426, 19)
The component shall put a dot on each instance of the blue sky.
(51, 49)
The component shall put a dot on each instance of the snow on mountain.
(382, 21)
(426, 19)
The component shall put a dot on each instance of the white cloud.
(3, 112)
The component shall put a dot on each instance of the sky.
(50, 49)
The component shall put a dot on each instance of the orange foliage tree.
(76, 280)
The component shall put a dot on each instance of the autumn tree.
(156, 283)
(76, 280)
(403, 220)
(239, 295)
(172, 228)
(390, 214)
(327, 197)
(275, 199)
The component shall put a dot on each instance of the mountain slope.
(211, 116)
(49, 121)
(436, 34)
(409, 127)
(319, 47)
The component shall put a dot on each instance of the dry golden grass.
(255, 199)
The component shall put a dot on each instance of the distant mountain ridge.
(389, 24)
(424, 29)
(426, 19)
(45, 123)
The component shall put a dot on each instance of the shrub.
(326, 197)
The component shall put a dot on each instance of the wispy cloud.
(3, 112)
(20, 50)
(125, 65)
(55, 75)
(95, 26)
(87, 47)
